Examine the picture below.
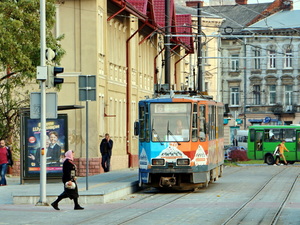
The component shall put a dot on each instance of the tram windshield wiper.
(154, 131)
(169, 132)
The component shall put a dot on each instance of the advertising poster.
(56, 145)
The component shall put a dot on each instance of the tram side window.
(142, 123)
(202, 127)
(220, 122)
(147, 128)
(211, 126)
(194, 123)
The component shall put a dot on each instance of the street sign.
(35, 105)
(87, 88)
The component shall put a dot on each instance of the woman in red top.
(3, 162)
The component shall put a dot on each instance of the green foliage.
(20, 55)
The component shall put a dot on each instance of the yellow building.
(122, 44)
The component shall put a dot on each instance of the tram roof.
(183, 97)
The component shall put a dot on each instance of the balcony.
(277, 109)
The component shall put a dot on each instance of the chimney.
(287, 5)
(241, 2)
(194, 4)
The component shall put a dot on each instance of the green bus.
(262, 141)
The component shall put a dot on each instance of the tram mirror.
(136, 128)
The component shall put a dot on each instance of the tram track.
(111, 213)
(240, 215)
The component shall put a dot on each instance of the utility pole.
(199, 52)
(43, 176)
(245, 83)
(167, 43)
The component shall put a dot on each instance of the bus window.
(272, 135)
(258, 141)
(289, 135)
(252, 135)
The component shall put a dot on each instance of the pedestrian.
(5, 160)
(282, 148)
(106, 146)
(234, 142)
(69, 181)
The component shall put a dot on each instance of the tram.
(181, 141)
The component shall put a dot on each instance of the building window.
(288, 58)
(272, 91)
(288, 94)
(206, 85)
(204, 55)
(257, 59)
(234, 63)
(272, 59)
(235, 96)
(256, 95)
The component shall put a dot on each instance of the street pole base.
(42, 204)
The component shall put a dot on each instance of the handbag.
(72, 186)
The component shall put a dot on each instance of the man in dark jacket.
(106, 146)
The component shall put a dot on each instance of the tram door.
(298, 146)
(259, 144)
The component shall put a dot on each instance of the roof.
(282, 20)
(180, 9)
(184, 26)
(237, 16)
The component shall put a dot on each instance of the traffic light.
(52, 80)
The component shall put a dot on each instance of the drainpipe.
(128, 93)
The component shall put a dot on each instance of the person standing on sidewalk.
(5, 159)
(282, 148)
(69, 181)
(106, 146)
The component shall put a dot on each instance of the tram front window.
(170, 121)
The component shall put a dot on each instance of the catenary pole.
(43, 152)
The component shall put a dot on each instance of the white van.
(242, 138)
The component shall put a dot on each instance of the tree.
(19, 57)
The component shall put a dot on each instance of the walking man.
(106, 146)
(282, 148)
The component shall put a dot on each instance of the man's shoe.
(78, 207)
(55, 205)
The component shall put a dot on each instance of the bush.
(238, 155)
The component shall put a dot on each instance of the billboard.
(56, 146)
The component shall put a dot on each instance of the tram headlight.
(158, 162)
(183, 162)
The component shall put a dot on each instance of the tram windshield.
(170, 121)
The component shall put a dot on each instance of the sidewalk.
(102, 188)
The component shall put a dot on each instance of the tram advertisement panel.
(56, 145)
